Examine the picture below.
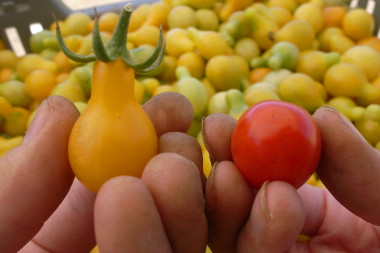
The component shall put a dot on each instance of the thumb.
(276, 219)
(349, 166)
(35, 176)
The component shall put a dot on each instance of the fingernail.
(210, 204)
(264, 201)
(211, 175)
(346, 121)
(262, 218)
(38, 122)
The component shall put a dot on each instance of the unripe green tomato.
(14, 91)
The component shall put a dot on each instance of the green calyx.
(116, 47)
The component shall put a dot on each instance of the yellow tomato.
(193, 62)
(32, 62)
(139, 91)
(333, 15)
(369, 129)
(107, 22)
(325, 35)
(346, 79)
(311, 13)
(209, 88)
(206, 19)
(147, 34)
(263, 28)
(227, 72)
(76, 23)
(315, 63)
(258, 74)
(69, 89)
(60, 78)
(247, 48)
(302, 90)
(163, 88)
(63, 63)
(340, 43)
(192, 89)
(5, 106)
(157, 14)
(39, 84)
(207, 166)
(123, 131)
(347, 107)
(312, 180)
(138, 17)
(358, 24)
(280, 15)
(7, 144)
(260, 92)
(231, 6)
(209, 43)
(150, 84)
(15, 92)
(372, 112)
(95, 249)
(16, 122)
(299, 32)
(196, 4)
(291, 5)
(74, 41)
(178, 42)
(366, 58)
(6, 74)
(168, 71)
(371, 41)
(181, 16)
(8, 59)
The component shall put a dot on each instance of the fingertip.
(229, 200)
(177, 190)
(125, 214)
(182, 144)
(169, 112)
(116, 187)
(38, 170)
(345, 153)
(58, 108)
(216, 133)
(280, 200)
(277, 216)
(328, 118)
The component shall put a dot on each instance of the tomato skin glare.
(276, 141)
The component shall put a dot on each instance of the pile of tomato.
(225, 57)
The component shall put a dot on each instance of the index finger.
(349, 166)
(169, 112)
(35, 176)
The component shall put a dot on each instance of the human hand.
(43, 208)
(343, 217)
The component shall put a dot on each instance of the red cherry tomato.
(276, 141)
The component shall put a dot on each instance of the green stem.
(116, 47)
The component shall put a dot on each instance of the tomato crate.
(20, 18)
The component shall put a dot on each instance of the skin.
(57, 214)
(243, 220)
